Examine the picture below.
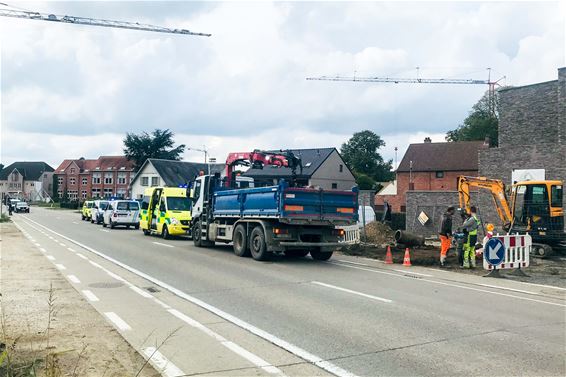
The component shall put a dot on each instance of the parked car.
(97, 211)
(165, 211)
(122, 212)
(86, 210)
(22, 207)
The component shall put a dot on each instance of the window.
(72, 181)
(84, 181)
(107, 178)
(178, 204)
(60, 194)
(556, 196)
(144, 181)
(334, 186)
(121, 193)
(145, 202)
(107, 192)
(15, 177)
(96, 178)
(341, 168)
(60, 180)
(439, 174)
(122, 206)
(83, 194)
(72, 194)
(121, 178)
(154, 181)
(96, 193)
(72, 170)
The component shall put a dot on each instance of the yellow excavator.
(536, 209)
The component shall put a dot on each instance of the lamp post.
(205, 151)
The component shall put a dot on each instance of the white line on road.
(74, 222)
(42, 250)
(62, 244)
(104, 230)
(164, 305)
(117, 321)
(95, 264)
(356, 263)
(414, 273)
(60, 266)
(74, 279)
(50, 257)
(71, 250)
(117, 277)
(141, 292)
(351, 291)
(297, 351)
(81, 256)
(508, 289)
(162, 244)
(37, 244)
(161, 363)
(90, 296)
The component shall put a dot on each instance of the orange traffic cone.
(388, 256)
(407, 258)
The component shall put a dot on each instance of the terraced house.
(107, 176)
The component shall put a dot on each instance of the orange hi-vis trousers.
(444, 245)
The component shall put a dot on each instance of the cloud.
(245, 86)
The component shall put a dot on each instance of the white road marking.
(141, 292)
(74, 279)
(297, 351)
(72, 250)
(351, 291)
(162, 244)
(117, 321)
(164, 305)
(74, 222)
(42, 250)
(60, 266)
(161, 363)
(95, 264)
(90, 296)
(81, 256)
(454, 285)
(50, 257)
(37, 244)
(62, 244)
(508, 289)
(117, 277)
(356, 263)
(104, 230)
(254, 359)
(414, 273)
(543, 285)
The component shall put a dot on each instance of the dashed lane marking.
(161, 363)
(60, 266)
(141, 292)
(90, 296)
(117, 321)
(162, 244)
(352, 292)
(74, 279)
(81, 256)
(50, 257)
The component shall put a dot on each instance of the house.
(168, 173)
(29, 180)
(104, 177)
(431, 167)
(323, 167)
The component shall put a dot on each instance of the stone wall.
(434, 204)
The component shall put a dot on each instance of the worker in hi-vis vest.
(470, 226)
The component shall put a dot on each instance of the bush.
(70, 205)
(5, 218)
(397, 220)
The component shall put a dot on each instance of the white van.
(365, 213)
(122, 212)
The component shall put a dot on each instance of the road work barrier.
(507, 252)
(351, 234)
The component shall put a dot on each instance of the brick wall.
(434, 204)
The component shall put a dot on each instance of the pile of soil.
(378, 233)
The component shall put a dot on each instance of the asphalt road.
(354, 316)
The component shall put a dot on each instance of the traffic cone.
(388, 256)
(407, 258)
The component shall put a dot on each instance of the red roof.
(452, 156)
(102, 163)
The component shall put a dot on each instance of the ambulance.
(165, 211)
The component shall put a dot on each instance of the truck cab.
(165, 211)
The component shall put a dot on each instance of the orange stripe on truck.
(345, 210)
(294, 208)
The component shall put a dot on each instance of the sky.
(70, 91)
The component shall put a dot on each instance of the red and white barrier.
(517, 252)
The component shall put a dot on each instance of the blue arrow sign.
(494, 252)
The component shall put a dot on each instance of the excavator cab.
(537, 209)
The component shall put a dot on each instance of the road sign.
(494, 251)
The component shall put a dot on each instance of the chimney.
(427, 140)
(562, 74)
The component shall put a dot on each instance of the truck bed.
(288, 204)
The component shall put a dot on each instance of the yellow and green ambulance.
(165, 211)
(86, 211)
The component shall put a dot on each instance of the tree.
(480, 123)
(158, 144)
(361, 154)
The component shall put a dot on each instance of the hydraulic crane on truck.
(536, 209)
(258, 159)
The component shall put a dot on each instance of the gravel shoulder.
(48, 327)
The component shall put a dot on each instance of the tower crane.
(32, 15)
(417, 80)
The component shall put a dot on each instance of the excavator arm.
(497, 189)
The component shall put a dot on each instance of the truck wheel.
(258, 246)
(321, 255)
(240, 241)
(296, 253)
(137, 226)
(146, 232)
(165, 233)
(541, 250)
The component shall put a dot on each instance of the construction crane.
(417, 80)
(31, 15)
